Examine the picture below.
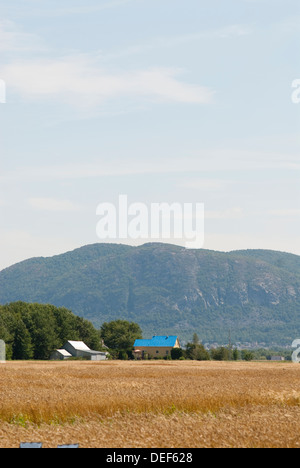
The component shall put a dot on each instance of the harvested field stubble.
(150, 404)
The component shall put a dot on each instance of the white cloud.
(285, 213)
(80, 80)
(52, 204)
(234, 30)
(14, 40)
(210, 160)
(232, 213)
(52, 9)
(227, 32)
(80, 10)
(206, 185)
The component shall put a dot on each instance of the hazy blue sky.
(163, 100)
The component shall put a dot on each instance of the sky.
(164, 101)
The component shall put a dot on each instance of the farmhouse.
(158, 346)
(78, 349)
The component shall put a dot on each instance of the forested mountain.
(166, 289)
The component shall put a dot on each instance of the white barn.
(78, 349)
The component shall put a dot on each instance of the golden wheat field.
(153, 404)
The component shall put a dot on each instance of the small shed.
(60, 355)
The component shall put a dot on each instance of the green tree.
(123, 355)
(120, 334)
(195, 339)
(247, 355)
(235, 354)
(196, 352)
(176, 353)
(86, 332)
(22, 346)
(43, 333)
(221, 354)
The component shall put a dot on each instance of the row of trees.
(196, 351)
(120, 336)
(33, 331)
(222, 353)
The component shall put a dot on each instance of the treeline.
(33, 331)
(196, 351)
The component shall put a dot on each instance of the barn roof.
(64, 352)
(80, 345)
(158, 341)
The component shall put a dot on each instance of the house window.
(167, 352)
(157, 351)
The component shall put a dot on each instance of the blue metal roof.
(157, 341)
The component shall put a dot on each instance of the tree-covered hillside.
(166, 289)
